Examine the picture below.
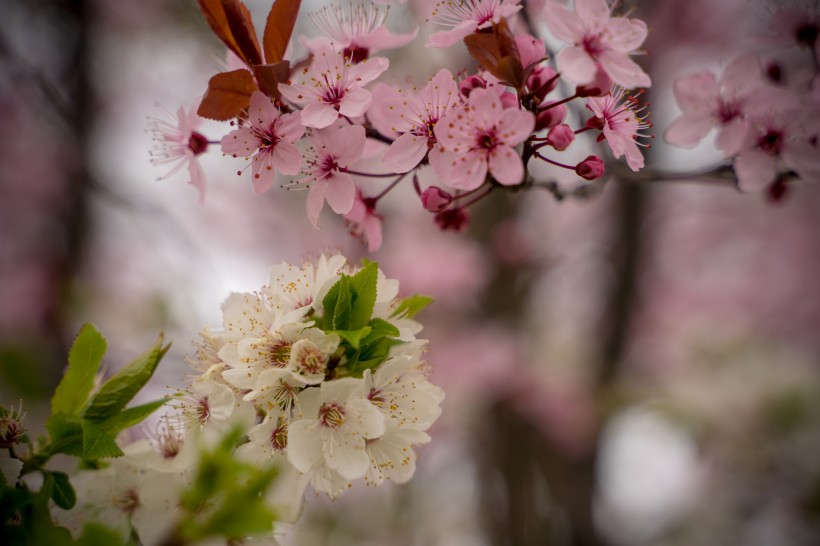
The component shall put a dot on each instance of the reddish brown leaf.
(269, 76)
(218, 21)
(241, 25)
(279, 27)
(227, 95)
(509, 71)
(484, 49)
(497, 53)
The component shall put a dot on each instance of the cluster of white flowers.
(281, 373)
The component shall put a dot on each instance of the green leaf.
(65, 434)
(353, 337)
(83, 364)
(131, 416)
(97, 534)
(63, 493)
(379, 328)
(97, 443)
(329, 304)
(410, 307)
(115, 394)
(363, 285)
(341, 313)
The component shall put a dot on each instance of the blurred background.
(637, 367)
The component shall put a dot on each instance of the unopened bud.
(453, 219)
(509, 100)
(550, 118)
(435, 199)
(541, 81)
(471, 82)
(560, 137)
(590, 168)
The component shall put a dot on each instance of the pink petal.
(687, 131)
(624, 35)
(294, 93)
(804, 159)
(575, 64)
(515, 126)
(340, 192)
(315, 44)
(261, 112)
(634, 157)
(623, 70)
(446, 38)
(369, 69)
(529, 49)
(319, 115)
(262, 173)
(733, 137)
(290, 127)
(506, 166)
(347, 144)
(373, 233)
(486, 107)
(381, 116)
(315, 200)
(240, 143)
(406, 152)
(563, 23)
(697, 94)
(381, 38)
(755, 170)
(593, 12)
(197, 177)
(469, 171)
(355, 102)
(287, 158)
(741, 74)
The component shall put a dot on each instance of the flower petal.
(623, 70)
(563, 23)
(319, 115)
(506, 166)
(304, 445)
(340, 192)
(406, 152)
(355, 102)
(687, 131)
(575, 64)
(755, 170)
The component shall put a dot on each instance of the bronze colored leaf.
(218, 21)
(241, 25)
(497, 53)
(509, 71)
(278, 29)
(269, 76)
(484, 49)
(227, 95)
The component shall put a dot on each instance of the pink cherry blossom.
(179, 143)
(773, 137)
(413, 117)
(333, 86)
(268, 140)
(357, 31)
(481, 136)
(467, 16)
(333, 151)
(597, 39)
(621, 123)
(707, 102)
(364, 223)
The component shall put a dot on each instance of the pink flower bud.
(590, 168)
(550, 118)
(509, 100)
(453, 219)
(598, 87)
(540, 81)
(471, 82)
(560, 137)
(435, 199)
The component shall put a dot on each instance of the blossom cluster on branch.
(319, 119)
(316, 380)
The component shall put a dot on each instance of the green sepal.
(115, 393)
(84, 360)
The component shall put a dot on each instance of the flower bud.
(541, 81)
(560, 137)
(598, 87)
(550, 118)
(471, 82)
(435, 199)
(453, 220)
(590, 168)
(509, 100)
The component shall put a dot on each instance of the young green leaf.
(342, 311)
(411, 306)
(97, 443)
(131, 416)
(115, 393)
(63, 493)
(353, 337)
(379, 329)
(363, 285)
(65, 434)
(83, 364)
(329, 305)
(97, 534)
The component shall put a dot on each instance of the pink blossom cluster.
(767, 121)
(467, 134)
